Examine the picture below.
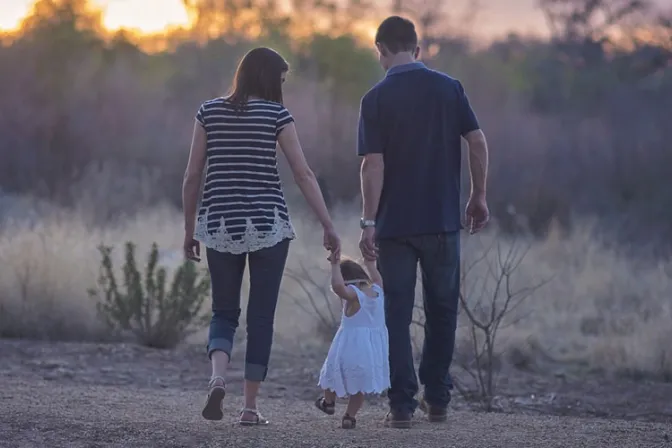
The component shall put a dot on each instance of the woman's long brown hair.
(259, 74)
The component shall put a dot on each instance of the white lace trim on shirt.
(251, 240)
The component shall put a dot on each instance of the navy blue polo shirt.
(415, 117)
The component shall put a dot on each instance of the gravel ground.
(88, 395)
(44, 415)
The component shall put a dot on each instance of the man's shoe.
(435, 414)
(398, 419)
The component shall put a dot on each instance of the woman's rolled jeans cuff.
(253, 372)
(220, 344)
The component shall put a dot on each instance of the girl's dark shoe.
(348, 422)
(323, 405)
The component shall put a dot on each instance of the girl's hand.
(334, 259)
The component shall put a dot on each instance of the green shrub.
(155, 316)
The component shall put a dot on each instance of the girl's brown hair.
(353, 271)
(259, 74)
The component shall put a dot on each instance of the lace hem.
(348, 382)
(252, 239)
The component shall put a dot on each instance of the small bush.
(155, 316)
(489, 304)
(490, 297)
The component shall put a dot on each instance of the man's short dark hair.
(397, 35)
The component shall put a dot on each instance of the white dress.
(358, 359)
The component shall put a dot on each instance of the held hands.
(367, 244)
(332, 243)
(477, 214)
(334, 259)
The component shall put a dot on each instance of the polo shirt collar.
(405, 68)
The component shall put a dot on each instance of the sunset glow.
(151, 16)
(494, 17)
(146, 16)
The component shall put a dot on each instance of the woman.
(243, 216)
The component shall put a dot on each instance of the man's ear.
(382, 49)
(416, 53)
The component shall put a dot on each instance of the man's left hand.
(367, 243)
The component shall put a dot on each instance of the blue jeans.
(226, 274)
(439, 258)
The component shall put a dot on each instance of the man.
(410, 130)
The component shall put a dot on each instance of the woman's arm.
(338, 284)
(303, 175)
(371, 267)
(193, 176)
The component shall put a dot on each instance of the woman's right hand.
(332, 242)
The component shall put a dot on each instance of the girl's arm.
(338, 284)
(376, 278)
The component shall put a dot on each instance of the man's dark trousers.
(439, 258)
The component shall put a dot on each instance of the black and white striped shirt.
(243, 207)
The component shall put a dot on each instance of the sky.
(497, 17)
(145, 15)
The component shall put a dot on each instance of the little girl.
(357, 362)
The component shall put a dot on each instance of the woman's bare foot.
(252, 417)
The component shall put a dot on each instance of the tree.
(434, 23)
(51, 45)
(580, 20)
(234, 19)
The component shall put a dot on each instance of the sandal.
(258, 419)
(348, 422)
(323, 405)
(213, 403)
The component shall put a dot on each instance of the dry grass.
(600, 309)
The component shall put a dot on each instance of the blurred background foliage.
(579, 123)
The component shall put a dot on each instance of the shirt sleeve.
(284, 118)
(369, 136)
(200, 115)
(468, 119)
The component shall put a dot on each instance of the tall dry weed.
(602, 309)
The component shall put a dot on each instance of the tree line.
(578, 123)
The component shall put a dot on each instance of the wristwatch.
(364, 223)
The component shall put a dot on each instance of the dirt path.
(67, 416)
(78, 395)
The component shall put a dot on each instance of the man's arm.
(478, 162)
(478, 146)
(372, 184)
(370, 147)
